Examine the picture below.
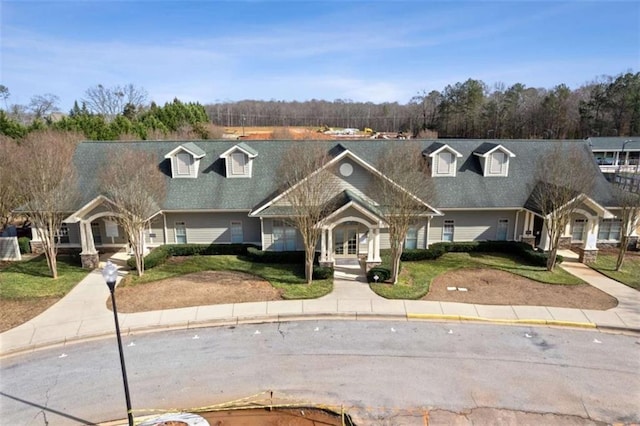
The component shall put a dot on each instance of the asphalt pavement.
(83, 314)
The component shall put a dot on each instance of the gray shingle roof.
(615, 143)
(213, 191)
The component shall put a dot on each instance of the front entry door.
(346, 241)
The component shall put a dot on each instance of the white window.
(181, 233)
(62, 236)
(503, 229)
(238, 163)
(184, 163)
(411, 242)
(284, 236)
(610, 229)
(445, 164)
(236, 232)
(577, 231)
(447, 230)
(498, 163)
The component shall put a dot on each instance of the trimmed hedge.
(160, 254)
(322, 272)
(279, 257)
(381, 272)
(520, 249)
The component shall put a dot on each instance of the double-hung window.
(236, 232)
(284, 236)
(181, 233)
(411, 242)
(610, 229)
(577, 232)
(184, 161)
(447, 230)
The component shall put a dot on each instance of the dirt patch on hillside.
(494, 287)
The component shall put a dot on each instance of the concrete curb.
(277, 318)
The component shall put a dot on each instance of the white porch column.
(370, 246)
(330, 245)
(593, 226)
(91, 248)
(83, 238)
(376, 244)
(515, 227)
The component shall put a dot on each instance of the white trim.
(330, 163)
(171, 153)
(237, 148)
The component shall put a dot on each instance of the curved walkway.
(83, 313)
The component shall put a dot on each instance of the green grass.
(31, 278)
(289, 278)
(628, 275)
(416, 277)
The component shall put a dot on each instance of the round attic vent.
(346, 169)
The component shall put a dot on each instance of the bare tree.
(629, 203)
(307, 189)
(111, 101)
(405, 190)
(43, 105)
(560, 189)
(10, 188)
(136, 187)
(48, 183)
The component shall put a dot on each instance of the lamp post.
(110, 272)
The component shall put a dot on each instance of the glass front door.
(346, 241)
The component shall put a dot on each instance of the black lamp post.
(110, 272)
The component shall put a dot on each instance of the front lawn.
(416, 277)
(288, 278)
(628, 275)
(31, 278)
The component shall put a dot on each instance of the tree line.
(607, 106)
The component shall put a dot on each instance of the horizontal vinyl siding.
(156, 227)
(359, 181)
(212, 228)
(472, 225)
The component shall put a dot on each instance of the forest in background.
(607, 106)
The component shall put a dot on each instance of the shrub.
(322, 272)
(520, 249)
(156, 257)
(381, 272)
(25, 245)
(281, 257)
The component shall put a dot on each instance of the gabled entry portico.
(353, 230)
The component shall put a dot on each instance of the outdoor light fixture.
(110, 273)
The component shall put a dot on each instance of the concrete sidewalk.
(83, 313)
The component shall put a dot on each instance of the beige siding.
(212, 228)
(473, 225)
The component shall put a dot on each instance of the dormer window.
(494, 159)
(185, 160)
(239, 161)
(444, 159)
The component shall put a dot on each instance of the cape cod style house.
(222, 192)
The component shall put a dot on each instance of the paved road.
(380, 371)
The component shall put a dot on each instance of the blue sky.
(376, 51)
